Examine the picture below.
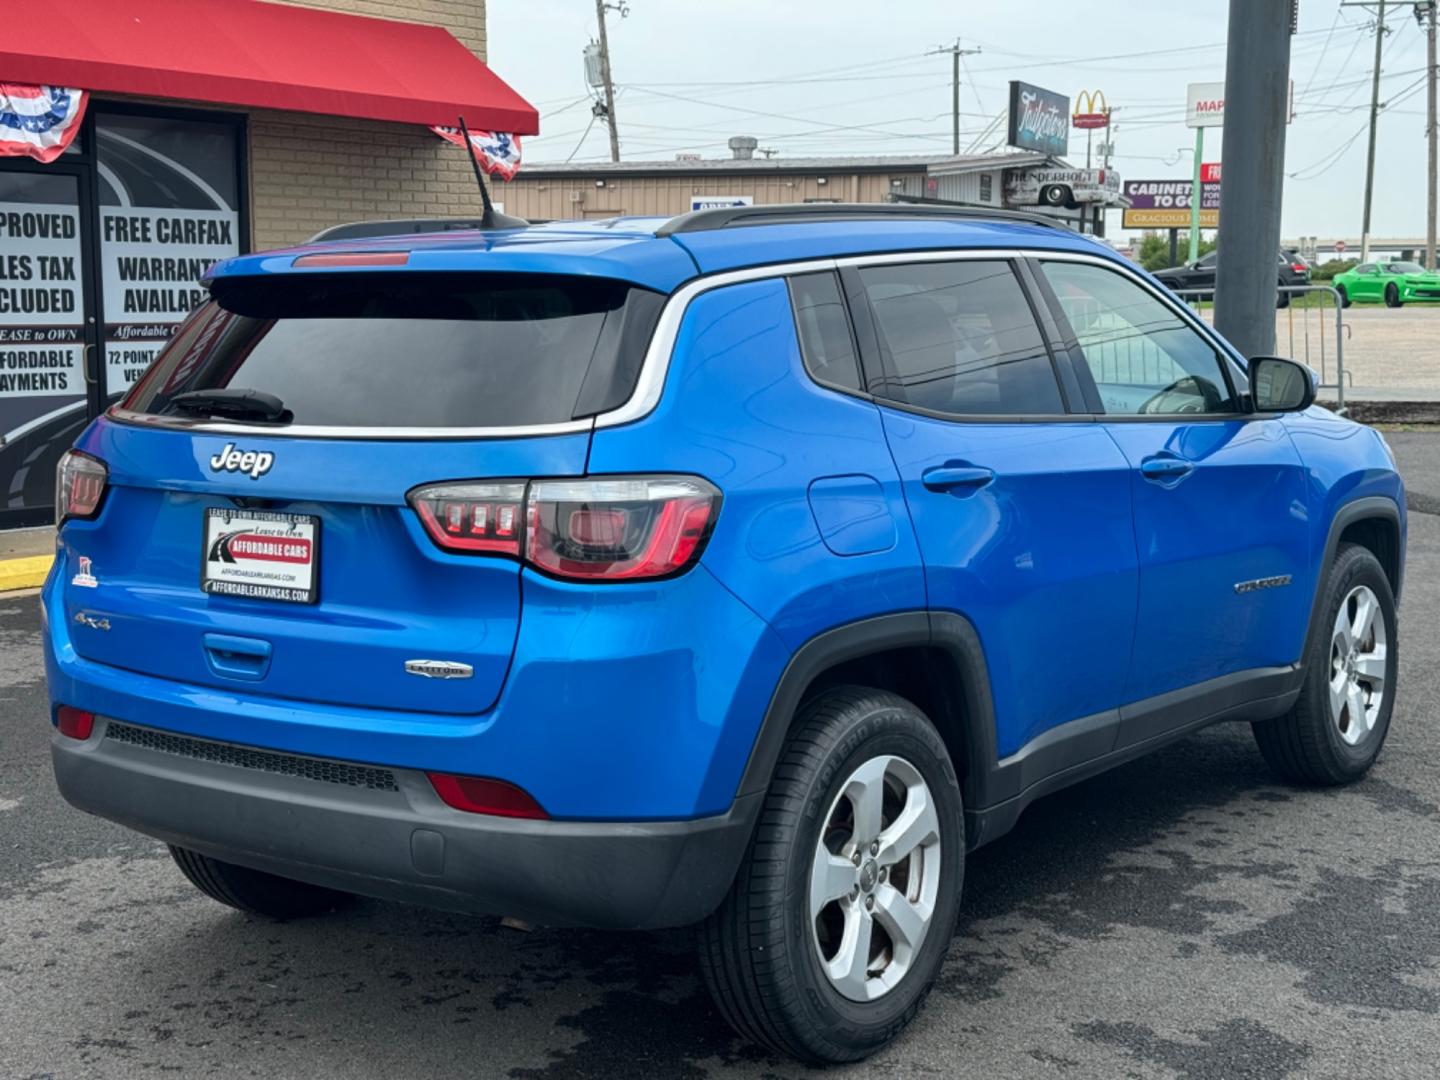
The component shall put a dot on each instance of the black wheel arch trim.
(1365, 508)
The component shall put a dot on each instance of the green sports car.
(1397, 283)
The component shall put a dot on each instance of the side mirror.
(1279, 385)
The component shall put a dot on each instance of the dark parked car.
(1293, 270)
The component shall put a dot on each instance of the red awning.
(262, 55)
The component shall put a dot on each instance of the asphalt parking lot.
(1185, 916)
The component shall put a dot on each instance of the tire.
(1282, 301)
(1314, 743)
(253, 891)
(761, 951)
(1345, 300)
(1392, 296)
(1055, 195)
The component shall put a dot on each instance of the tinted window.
(824, 328)
(412, 350)
(1404, 268)
(1142, 356)
(960, 338)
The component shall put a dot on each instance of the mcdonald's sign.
(1091, 110)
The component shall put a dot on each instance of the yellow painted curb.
(28, 573)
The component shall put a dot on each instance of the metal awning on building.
(262, 55)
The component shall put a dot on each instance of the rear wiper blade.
(250, 404)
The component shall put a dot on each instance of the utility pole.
(1257, 73)
(1374, 118)
(600, 8)
(956, 52)
(1433, 132)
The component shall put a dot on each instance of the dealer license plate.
(260, 555)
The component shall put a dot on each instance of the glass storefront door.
(47, 333)
(101, 253)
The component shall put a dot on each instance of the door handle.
(85, 368)
(950, 477)
(1165, 468)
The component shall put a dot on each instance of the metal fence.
(1311, 329)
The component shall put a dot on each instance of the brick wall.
(310, 172)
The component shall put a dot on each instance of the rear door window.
(960, 338)
(411, 350)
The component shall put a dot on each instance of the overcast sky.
(797, 75)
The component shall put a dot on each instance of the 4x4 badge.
(255, 463)
(439, 669)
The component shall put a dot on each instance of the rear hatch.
(269, 548)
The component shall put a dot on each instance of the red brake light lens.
(352, 258)
(472, 517)
(74, 723)
(1299, 268)
(80, 482)
(480, 795)
(605, 529)
(619, 529)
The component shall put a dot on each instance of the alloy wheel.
(1357, 665)
(875, 878)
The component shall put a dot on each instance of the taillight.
(481, 795)
(79, 486)
(604, 529)
(473, 517)
(620, 529)
(74, 723)
(1299, 268)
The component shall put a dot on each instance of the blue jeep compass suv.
(743, 570)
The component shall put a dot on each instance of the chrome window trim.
(655, 366)
(202, 425)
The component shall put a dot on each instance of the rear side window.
(960, 338)
(412, 350)
(826, 342)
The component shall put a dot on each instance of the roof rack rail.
(797, 213)
(367, 230)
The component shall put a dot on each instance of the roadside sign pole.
(1374, 118)
(1257, 73)
(1196, 195)
(1434, 132)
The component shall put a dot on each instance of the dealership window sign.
(1039, 119)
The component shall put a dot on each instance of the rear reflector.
(478, 795)
(352, 258)
(74, 723)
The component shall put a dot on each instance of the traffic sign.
(1339, 247)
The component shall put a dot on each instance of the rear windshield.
(411, 349)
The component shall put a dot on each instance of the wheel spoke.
(903, 921)
(1371, 665)
(916, 826)
(1355, 701)
(830, 878)
(1344, 636)
(848, 968)
(1339, 686)
(1365, 608)
(866, 792)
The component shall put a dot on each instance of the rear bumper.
(394, 839)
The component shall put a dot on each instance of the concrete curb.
(1391, 412)
(25, 573)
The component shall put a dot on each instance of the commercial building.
(210, 128)
(599, 190)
